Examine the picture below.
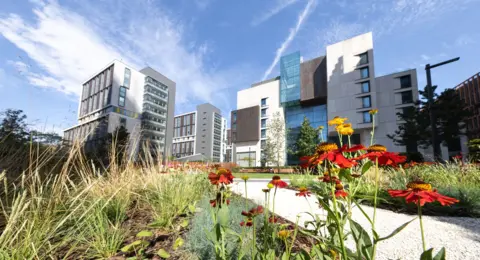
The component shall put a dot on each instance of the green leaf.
(127, 249)
(427, 255)
(178, 243)
(396, 231)
(223, 216)
(144, 233)
(184, 223)
(366, 166)
(135, 245)
(162, 253)
(192, 208)
(362, 239)
(345, 174)
(441, 255)
(285, 256)
(302, 255)
(363, 211)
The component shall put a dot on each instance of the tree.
(415, 131)
(451, 117)
(307, 139)
(274, 148)
(13, 128)
(112, 146)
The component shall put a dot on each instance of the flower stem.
(339, 227)
(246, 197)
(375, 206)
(373, 130)
(254, 239)
(421, 225)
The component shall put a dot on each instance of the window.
(264, 123)
(405, 81)
(123, 122)
(263, 143)
(367, 118)
(364, 73)
(108, 77)
(121, 99)
(363, 58)
(365, 86)
(264, 102)
(407, 110)
(126, 78)
(264, 112)
(234, 115)
(264, 133)
(234, 126)
(407, 97)
(366, 102)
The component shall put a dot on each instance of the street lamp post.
(437, 152)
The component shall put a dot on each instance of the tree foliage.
(307, 139)
(415, 131)
(274, 148)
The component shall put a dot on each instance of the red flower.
(326, 178)
(272, 219)
(385, 158)
(222, 175)
(248, 223)
(213, 202)
(331, 152)
(277, 182)
(419, 191)
(341, 193)
(253, 212)
(302, 191)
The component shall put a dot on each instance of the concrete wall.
(204, 129)
(252, 97)
(389, 103)
(343, 77)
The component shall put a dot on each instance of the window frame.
(361, 86)
(262, 114)
(364, 113)
(365, 54)
(122, 96)
(127, 80)
(361, 72)
(409, 79)
(369, 101)
(263, 102)
(406, 101)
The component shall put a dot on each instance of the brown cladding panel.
(247, 125)
(313, 79)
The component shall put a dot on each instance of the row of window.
(95, 101)
(470, 91)
(149, 89)
(182, 149)
(101, 81)
(156, 83)
(95, 129)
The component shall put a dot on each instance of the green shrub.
(474, 150)
(414, 157)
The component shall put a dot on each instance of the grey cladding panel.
(247, 125)
(313, 79)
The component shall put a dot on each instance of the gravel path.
(460, 236)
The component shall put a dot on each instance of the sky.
(213, 48)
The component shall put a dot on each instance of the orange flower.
(385, 158)
(303, 192)
(277, 182)
(331, 152)
(272, 219)
(247, 223)
(222, 176)
(253, 212)
(339, 191)
(283, 234)
(419, 191)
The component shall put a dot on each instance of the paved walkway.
(460, 236)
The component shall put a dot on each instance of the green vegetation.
(307, 140)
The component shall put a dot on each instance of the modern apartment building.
(469, 91)
(341, 83)
(141, 101)
(200, 135)
(228, 150)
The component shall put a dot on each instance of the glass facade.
(290, 100)
(290, 78)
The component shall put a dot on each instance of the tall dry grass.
(79, 210)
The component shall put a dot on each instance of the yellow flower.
(283, 234)
(320, 128)
(245, 177)
(337, 120)
(373, 111)
(377, 148)
(326, 147)
(346, 131)
(270, 186)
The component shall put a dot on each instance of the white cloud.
(279, 6)
(293, 32)
(20, 66)
(383, 17)
(67, 47)
(464, 40)
(425, 57)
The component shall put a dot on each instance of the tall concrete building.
(141, 101)
(200, 135)
(341, 83)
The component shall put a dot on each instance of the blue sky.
(213, 48)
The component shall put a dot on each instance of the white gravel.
(460, 236)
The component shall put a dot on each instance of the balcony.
(154, 129)
(156, 84)
(154, 107)
(158, 97)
